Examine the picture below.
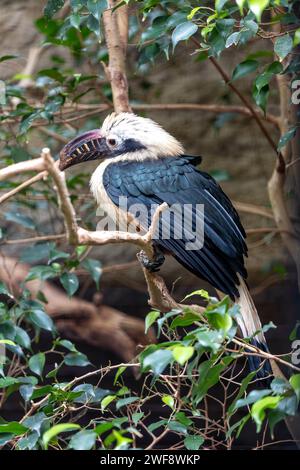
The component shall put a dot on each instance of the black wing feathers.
(178, 181)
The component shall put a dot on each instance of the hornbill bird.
(143, 163)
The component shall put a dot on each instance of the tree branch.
(116, 31)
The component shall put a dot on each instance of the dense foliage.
(196, 353)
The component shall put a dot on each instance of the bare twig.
(63, 196)
(23, 185)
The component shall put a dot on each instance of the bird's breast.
(123, 220)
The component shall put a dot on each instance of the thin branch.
(31, 240)
(23, 185)
(37, 164)
(253, 209)
(63, 196)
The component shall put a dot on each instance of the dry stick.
(23, 185)
(42, 238)
(96, 108)
(253, 209)
(54, 135)
(213, 108)
(37, 164)
(63, 196)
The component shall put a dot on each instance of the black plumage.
(178, 181)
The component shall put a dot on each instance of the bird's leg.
(152, 265)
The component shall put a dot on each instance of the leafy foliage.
(195, 352)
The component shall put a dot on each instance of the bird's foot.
(152, 265)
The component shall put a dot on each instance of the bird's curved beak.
(90, 145)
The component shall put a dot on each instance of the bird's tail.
(249, 323)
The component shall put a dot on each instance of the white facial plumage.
(158, 143)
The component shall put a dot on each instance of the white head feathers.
(158, 142)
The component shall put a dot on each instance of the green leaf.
(261, 97)
(150, 319)
(183, 31)
(157, 361)
(191, 15)
(136, 417)
(258, 6)
(13, 428)
(193, 442)
(58, 429)
(96, 7)
(182, 418)
(182, 354)
(52, 73)
(93, 267)
(36, 422)
(28, 442)
(52, 7)
(244, 68)
(218, 315)
(40, 272)
(280, 386)
(285, 138)
(177, 427)
(240, 4)
(26, 392)
(119, 373)
(283, 46)
(83, 440)
(208, 376)
(75, 20)
(125, 402)
(296, 37)
(36, 363)
(69, 282)
(295, 383)
(8, 342)
(103, 427)
(8, 381)
(220, 4)
(233, 39)
(169, 401)
(258, 410)
(107, 401)
(203, 293)
(252, 397)
(93, 24)
(243, 387)
(41, 319)
(7, 57)
(188, 318)
(76, 359)
(27, 120)
(239, 425)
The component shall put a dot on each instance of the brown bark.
(116, 31)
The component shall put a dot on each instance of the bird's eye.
(112, 142)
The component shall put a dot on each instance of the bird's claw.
(152, 265)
